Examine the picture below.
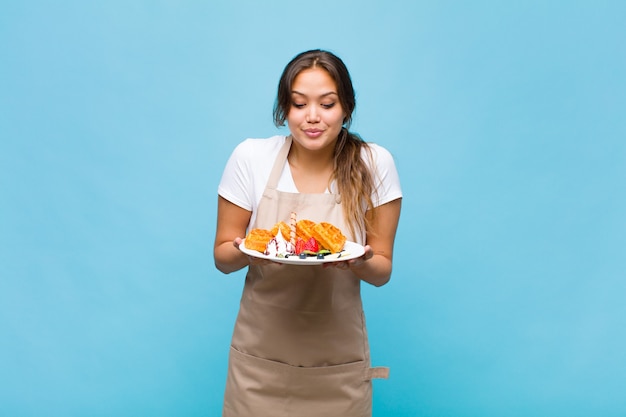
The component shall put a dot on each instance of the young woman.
(299, 346)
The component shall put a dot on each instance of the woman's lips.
(313, 133)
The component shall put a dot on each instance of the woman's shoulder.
(380, 154)
(252, 154)
(386, 173)
(260, 146)
(376, 148)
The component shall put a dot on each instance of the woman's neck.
(311, 161)
(311, 170)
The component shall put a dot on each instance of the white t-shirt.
(248, 169)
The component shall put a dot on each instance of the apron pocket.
(260, 387)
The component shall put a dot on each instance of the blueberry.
(320, 256)
(302, 256)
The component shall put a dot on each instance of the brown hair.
(355, 181)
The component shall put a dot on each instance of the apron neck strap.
(279, 164)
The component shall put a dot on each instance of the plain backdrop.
(507, 123)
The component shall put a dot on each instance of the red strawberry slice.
(299, 246)
(311, 245)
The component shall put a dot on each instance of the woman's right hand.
(253, 260)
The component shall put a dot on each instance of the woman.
(299, 346)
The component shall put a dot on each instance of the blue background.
(507, 123)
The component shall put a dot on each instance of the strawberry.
(299, 246)
(311, 245)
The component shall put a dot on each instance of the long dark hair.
(354, 177)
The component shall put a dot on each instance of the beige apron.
(300, 346)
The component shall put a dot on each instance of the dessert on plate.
(303, 238)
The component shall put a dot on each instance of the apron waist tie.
(379, 372)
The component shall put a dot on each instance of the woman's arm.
(232, 222)
(374, 266)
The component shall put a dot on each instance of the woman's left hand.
(352, 263)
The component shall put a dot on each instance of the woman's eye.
(328, 105)
(298, 105)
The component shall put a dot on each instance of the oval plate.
(351, 250)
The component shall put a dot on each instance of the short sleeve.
(247, 170)
(386, 176)
(236, 184)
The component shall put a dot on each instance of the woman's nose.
(312, 115)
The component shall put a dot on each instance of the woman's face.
(315, 117)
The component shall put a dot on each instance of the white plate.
(351, 250)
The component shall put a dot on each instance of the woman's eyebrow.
(322, 95)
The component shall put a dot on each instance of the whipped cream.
(279, 247)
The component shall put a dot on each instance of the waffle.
(284, 230)
(257, 239)
(304, 229)
(329, 236)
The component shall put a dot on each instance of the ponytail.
(354, 178)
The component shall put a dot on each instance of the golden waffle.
(329, 236)
(257, 239)
(284, 230)
(304, 229)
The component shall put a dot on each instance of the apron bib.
(299, 346)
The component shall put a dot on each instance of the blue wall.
(507, 123)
